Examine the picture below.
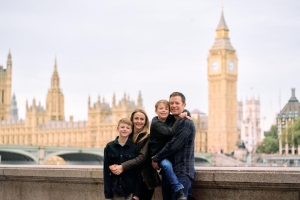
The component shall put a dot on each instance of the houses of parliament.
(48, 126)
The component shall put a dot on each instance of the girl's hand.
(135, 198)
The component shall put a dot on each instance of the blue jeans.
(169, 175)
(167, 192)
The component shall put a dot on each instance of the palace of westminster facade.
(219, 131)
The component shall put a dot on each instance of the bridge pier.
(41, 154)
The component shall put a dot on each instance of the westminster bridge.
(39, 155)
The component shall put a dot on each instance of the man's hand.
(135, 198)
(155, 165)
(184, 115)
(116, 169)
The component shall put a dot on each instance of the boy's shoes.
(180, 195)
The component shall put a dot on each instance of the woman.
(140, 136)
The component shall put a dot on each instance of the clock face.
(231, 66)
(215, 66)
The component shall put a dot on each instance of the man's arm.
(177, 142)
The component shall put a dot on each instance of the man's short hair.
(178, 94)
(163, 101)
(125, 121)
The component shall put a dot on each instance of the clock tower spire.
(222, 89)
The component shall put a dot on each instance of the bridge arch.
(84, 155)
(28, 155)
(202, 159)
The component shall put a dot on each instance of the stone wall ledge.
(86, 182)
(62, 174)
(248, 177)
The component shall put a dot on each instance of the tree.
(287, 135)
(291, 135)
(270, 143)
(273, 132)
(296, 131)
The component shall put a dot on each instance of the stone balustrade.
(86, 183)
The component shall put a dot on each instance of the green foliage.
(291, 135)
(260, 148)
(296, 130)
(273, 132)
(270, 143)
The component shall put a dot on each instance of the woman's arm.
(139, 160)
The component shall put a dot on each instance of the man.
(180, 150)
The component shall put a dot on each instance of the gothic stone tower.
(103, 118)
(222, 88)
(55, 99)
(251, 131)
(5, 88)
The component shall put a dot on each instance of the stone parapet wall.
(86, 183)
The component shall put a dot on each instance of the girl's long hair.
(145, 129)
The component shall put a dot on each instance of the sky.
(156, 47)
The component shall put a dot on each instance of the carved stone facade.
(47, 127)
(200, 120)
(250, 124)
(5, 88)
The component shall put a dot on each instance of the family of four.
(133, 159)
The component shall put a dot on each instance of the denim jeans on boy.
(169, 175)
(169, 194)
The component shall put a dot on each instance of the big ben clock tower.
(222, 73)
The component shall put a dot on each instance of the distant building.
(249, 123)
(13, 109)
(5, 88)
(285, 119)
(200, 121)
(48, 127)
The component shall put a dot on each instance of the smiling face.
(139, 120)
(162, 112)
(176, 105)
(124, 130)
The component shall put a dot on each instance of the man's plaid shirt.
(180, 150)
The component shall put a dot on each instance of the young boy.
(161, 132)
(125, 186)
